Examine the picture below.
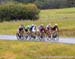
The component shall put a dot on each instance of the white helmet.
(48, 25)
(56, 24)
(32, 24)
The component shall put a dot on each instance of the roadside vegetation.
(45, 4)
(18, 11)
(34, 50)
(65, 18)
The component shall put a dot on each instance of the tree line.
(46, 4)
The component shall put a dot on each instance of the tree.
(71, 3)
(25, 1)
(45, 4)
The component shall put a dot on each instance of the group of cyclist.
(41, 30)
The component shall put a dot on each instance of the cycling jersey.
(54, 28)
(42, 29)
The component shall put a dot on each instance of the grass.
(34, 50)
(38, 50)
(65, 18)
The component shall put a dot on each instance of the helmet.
(41, 24)
(28, 26)
(49, 24)
(56, 24)
(21, 25)
(32, 24)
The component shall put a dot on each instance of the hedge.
(18, 11)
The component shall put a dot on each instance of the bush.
(18, 11)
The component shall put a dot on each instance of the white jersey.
(34, 29)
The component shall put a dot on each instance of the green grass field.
(39, 50)
(34, 50)
(65, 18)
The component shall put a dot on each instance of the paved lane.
(8, 37)
(61, 40)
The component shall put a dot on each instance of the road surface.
(61, 40)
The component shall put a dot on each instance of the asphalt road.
(61, 40)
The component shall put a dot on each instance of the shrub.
(18, 11)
